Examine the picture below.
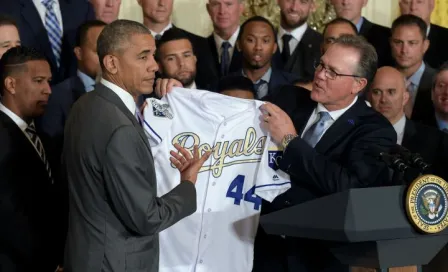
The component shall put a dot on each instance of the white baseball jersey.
(219, 236)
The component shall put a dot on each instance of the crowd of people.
(78, 185)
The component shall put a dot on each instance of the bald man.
(388, 95)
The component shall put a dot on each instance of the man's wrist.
(287, 139)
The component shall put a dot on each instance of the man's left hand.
(277, 122)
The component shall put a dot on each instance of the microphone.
(414, 160)
(392, 160)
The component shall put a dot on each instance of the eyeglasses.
(330, 73)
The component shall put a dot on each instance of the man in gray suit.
(115, 215)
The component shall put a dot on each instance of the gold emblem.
(426, 203)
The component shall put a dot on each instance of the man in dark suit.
(409, 44)
(257, 43)
(50, 26)
(223, 56)
(115, 215)
(328, 137)
(106, 10)
(334, 29)
(375, 34)
(388, 95)
(436, 54)
(27, 238)
(298, 44)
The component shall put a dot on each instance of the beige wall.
(192, 14)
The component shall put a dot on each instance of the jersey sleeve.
(270, 180)
(158, 118)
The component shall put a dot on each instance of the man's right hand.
(188, 165)
(165, 85)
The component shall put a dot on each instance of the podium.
(363, 227)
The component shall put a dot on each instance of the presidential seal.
(426, 203)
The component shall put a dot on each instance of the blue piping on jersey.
(146, 123)
(273, 184)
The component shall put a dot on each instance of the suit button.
(287, 203)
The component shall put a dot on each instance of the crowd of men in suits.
(58, 40)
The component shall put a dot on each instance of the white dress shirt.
(399, 129)
(334, 116)
(153, 33)
(297, 35)
(19, 122)
(232, 41)
(193, 86)
(126, 97)
(42, 10)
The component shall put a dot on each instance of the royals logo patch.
(275, 156)
(161, 110)
(426, 203)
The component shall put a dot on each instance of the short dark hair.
(257, 19)
(81, 34)
(368, 58)
(172, 34)
(14, 59)
(340, 20)
(410, 20)
(6, 20)
(441, 69)
(235, 82)
(115, 35)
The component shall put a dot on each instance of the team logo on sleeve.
(161, 110)
(275, 155)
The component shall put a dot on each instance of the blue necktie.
(54, 31)
(258, 90)
(225, 58)
(315, 132)
(31, 131)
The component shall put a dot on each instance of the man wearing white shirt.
(298, 44)
(225, 16)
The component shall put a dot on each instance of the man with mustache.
(257, 43)
(409, 44)
(375, 34)
(299, 45)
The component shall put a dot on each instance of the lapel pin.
(351, 122)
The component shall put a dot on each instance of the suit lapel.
(274, 82)
(109, 95)
(365, 27)
(341, 127)
(409, 131)
(297, 61)
(214, 52)
(237, 60)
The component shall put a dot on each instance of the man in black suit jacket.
(28, 240)
(257, 43)
(328, 137)
(409, 44)
(299, 45)
(30, 18)
(375, 34)
(388, 95)
(437, 53)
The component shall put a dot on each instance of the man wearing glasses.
(328, 148)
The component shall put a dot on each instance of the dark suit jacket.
(115, 214)
(302, 60)
(430, 143)
(341, 160)
(437, 53)
(26, 204)
(33, 33)
(378, 36)
(423, 106)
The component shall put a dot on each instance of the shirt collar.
(296, 33)
(441, 124)
(193, 86)
(428, 30)
(337, 113)
(417, 76)
(266, 77)
(153, 33)
(232, 39)
(359, 24)
(126, 97)
(89, 83)
(400, 124)
(16, 119)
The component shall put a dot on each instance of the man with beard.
(258, 44)
(176, 58)
(299, 44)
(409, 44)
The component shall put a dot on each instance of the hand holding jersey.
(241, 170)
(188, 165)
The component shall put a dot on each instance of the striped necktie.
(31, 131)
(54, 31)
